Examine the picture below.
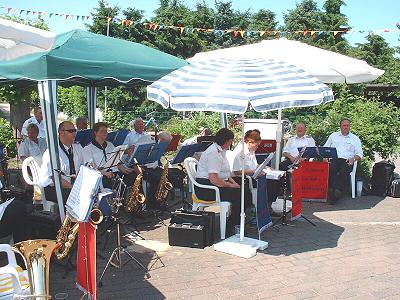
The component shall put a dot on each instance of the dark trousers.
(339, 172)
(50, 193)
(231, 195)
(15, 221)
(152, 177)
(284, 165)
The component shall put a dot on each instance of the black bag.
(176, 176)
(186, 235)
(382, 176)
(395, 189)
(204, 218)
(45, 224)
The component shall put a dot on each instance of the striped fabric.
(229, 85)
(6, 286)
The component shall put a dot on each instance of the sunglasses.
(70, 130)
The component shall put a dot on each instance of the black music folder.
(185, 152)
(315, 152)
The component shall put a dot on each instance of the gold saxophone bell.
(96, 216)
(37, 255)
(168, 186)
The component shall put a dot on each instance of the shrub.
(6, 137)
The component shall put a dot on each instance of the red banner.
(314, 180)
(86, 259)
(297, 193)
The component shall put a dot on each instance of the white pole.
(278, 140)
(242, 213)
(105, 88)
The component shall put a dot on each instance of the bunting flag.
(187, 29)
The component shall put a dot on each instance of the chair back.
(30, 163)
(13, 280)
(190, 164)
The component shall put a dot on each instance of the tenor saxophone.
(164, 186)
(135, 199)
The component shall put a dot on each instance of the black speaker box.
(204, 218)
(186, 235)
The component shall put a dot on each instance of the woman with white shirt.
(99, 151)
(213, 169)
(252, 140)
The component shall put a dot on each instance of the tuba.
(164, 186)
(37, 255)
(66, 235)
(135, 198)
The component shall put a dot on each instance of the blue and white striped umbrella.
(229, 85)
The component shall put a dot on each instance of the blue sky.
(362, 14)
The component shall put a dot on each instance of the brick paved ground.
(353, 253)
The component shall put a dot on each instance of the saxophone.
(135, 199)
(66, 235)
(164, 186)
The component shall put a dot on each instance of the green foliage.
(72, 101)
(6, 137)
(189, 126)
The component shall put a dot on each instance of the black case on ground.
(205, 218)
(186, 235)
(45, 224)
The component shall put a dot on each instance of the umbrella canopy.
(229, 85)
(17, 40)
(327, 66)
(80, 57)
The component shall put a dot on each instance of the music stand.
(183, 153)
(115, 158)
(148, 153)
(322, 152)
(205, 142)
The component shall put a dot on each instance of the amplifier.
(204, 218)
(44, 224)
(186, 235)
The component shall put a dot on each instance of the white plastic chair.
(199, 204)
(33, 180)
(13, 281)
(353, 180)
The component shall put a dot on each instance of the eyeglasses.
(70, 130)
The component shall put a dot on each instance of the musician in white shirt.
(349, 150)
(300, 140)
(252, 140)
(71, 158)
(33, 145)
(99, 150)
(37, 119)
(213, 169)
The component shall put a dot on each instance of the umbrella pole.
(242, 212)
(278, 140)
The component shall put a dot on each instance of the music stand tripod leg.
(282, 218)
(117, 253)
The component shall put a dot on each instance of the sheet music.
(274, 174)
(262, 166)
(82, 196)
(115, 157)
(3, 207)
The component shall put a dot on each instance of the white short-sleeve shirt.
(250, 160)
(213, 160)
(30, 148)
(296, 142)
(95, 156)
(346, 145)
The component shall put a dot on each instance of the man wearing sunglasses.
(71, 158)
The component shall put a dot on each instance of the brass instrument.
(37, 254)
(66, 235)
(135, 199)
(164, 186)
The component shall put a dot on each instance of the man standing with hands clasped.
(349, 150)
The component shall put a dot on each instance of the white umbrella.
(327, 66)
(230, 85)
(18, 39)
